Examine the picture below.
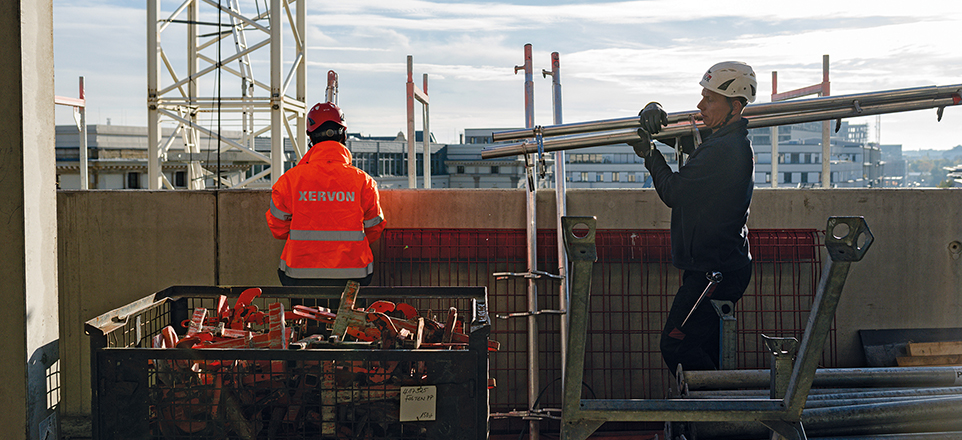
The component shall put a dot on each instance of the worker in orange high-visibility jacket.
(328, 210)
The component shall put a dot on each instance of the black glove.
(652, 117)
(642, 146)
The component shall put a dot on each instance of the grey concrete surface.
(28, 237)
(116, 247)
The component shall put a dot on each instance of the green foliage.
(933, 170)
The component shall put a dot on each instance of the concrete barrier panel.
(117, 246)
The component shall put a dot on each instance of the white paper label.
(418, 403)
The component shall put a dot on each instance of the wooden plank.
(929, 361)
(935, 348)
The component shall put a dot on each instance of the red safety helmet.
(324, 112)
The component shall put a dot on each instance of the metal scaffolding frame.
(179, 100)
(533, 414)
(821, 89)
(79, 105)
(581, 417)
(847, 239)
(420, 95)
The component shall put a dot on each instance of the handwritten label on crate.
(418, 404)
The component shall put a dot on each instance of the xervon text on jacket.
(329, 212)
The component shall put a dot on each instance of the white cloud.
(615, 56)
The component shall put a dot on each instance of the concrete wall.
(118, 246)
(28, 236)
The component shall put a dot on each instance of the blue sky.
(615, 57)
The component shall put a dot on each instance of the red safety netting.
(633, 284)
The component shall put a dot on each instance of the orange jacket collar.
(327, 151)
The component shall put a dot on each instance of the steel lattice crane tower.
(264, 106)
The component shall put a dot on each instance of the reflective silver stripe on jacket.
(303, 235)
(278, 213)
(355, 273)
(373, 222)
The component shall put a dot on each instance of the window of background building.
(584, 176)
(632, 177)
(254, 169)
(133, 180)
(180, 179)
(437, 165)
(495, 170)
(586, 158)
(460, 169)
(599, 177)
(615, 176)
(788, 178)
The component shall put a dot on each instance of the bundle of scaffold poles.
(623, 130)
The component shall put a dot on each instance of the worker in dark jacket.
(327, 210)
(709, 197)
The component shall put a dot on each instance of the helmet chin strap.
(335, 134)
(731, 111)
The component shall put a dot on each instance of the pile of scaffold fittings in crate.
(384, 323)
(344, 374)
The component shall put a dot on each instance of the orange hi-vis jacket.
(329, 212)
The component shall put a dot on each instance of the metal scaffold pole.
(826, 127)
(561, 204)
(277, 102)
(532, 236)
(426, 135)
(621, 130)
(153, 85)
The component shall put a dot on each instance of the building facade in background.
(117, 158)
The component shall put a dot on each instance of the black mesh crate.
(341, 391)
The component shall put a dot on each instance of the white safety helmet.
(731, 79)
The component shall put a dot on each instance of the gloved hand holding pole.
(652, 118)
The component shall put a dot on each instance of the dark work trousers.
(287, 281)
(696, 345)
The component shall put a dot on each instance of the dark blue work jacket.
(709, 197)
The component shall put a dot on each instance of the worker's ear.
(737, 106)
